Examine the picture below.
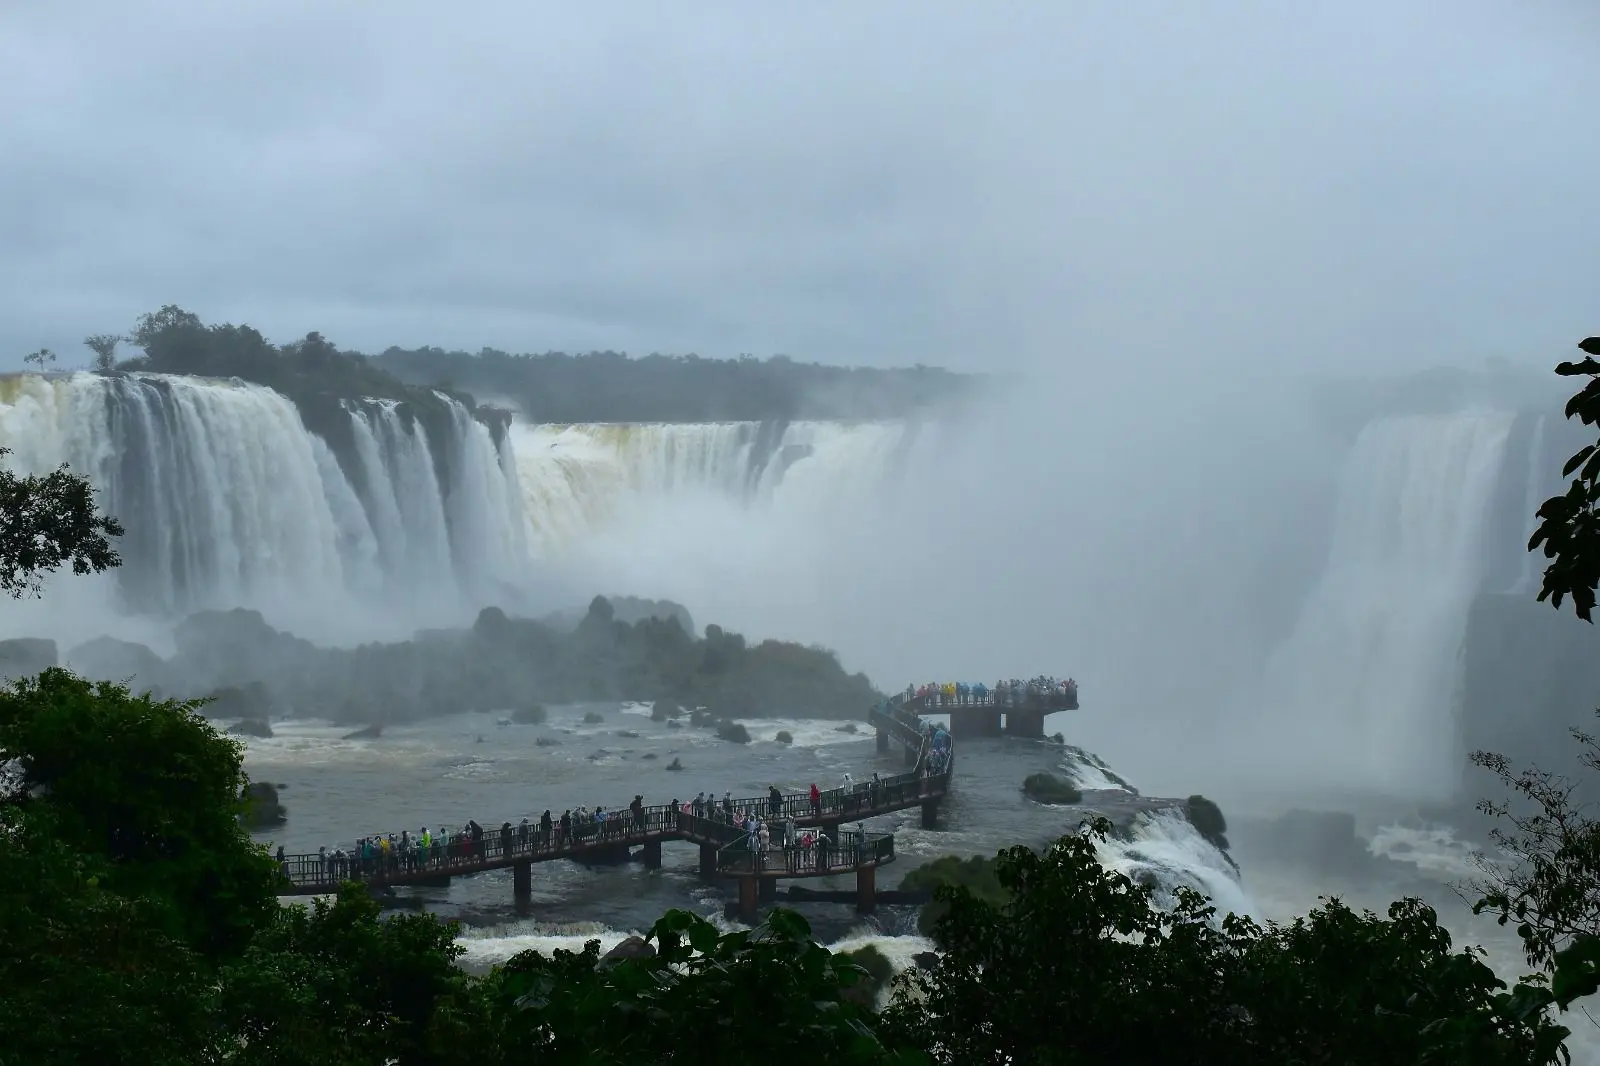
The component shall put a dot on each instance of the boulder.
(110, 659)
(633, 947)
(251, 727)
(251, 701)
(926, 960)
(26, 656)
(261, 806)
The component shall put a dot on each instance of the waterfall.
(228, 499)
(580, 479)
(1361, 696)
(484, 504)
(1532, 572)
(401, 490)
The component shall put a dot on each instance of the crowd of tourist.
(769, 826)
(1041, 691)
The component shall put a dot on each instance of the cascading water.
(229, 500)
(217, 483)
(1538, 479)
(402, 490)
(579, 479)
(484, 503)
(1361, 696)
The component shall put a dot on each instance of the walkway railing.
(821, 859)
(500, 847)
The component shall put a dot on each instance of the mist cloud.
(1240, 184)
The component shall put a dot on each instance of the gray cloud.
(1247, 185)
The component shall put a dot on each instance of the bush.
(734, 732)
(784, 737)
(975, 874)
(1048, 788)
(533, 714)
(664, 710)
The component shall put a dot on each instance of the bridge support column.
(767, 889)
(1028, 723)
(652, 855)
(522, 880)
(883, 742)
(708, 860)
(930, 814)
(974, 722)
(749, 909)
(866, 889)
(911, 757)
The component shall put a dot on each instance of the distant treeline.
(611, 387)
(550, 387)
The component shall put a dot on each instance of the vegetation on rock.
(1048, 788)
(784, 737)
(1207, 817)
(506, 662)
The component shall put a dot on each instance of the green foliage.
(771, 995)
(151, 788)
(975, 875)
(334, 983)
(1570, 528)
(1048, 788)
(104, 347)
(87, 974)
(610, 387)
(1335, 987)
(47, 521)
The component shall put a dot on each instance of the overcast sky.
(1056, 183)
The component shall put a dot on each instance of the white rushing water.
(228, 499)
(1361, 695)
(578, 480)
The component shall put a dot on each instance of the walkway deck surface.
(654, 825)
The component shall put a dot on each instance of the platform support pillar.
(866, 889)
(522, 880)
(652, 855)
(930, 814)
(883, 742)
(708, 860)
(767, 889)
(749, 910)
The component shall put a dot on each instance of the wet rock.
(110, 659)
(26, 656)
(675, 766)
(251, 727)
(926, 960)
(633, 947)
(784, 737)
(848, 727)
(261, 806)
(546, 742)
(627, 734)
(648, 755)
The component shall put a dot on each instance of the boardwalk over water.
(724, 848)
